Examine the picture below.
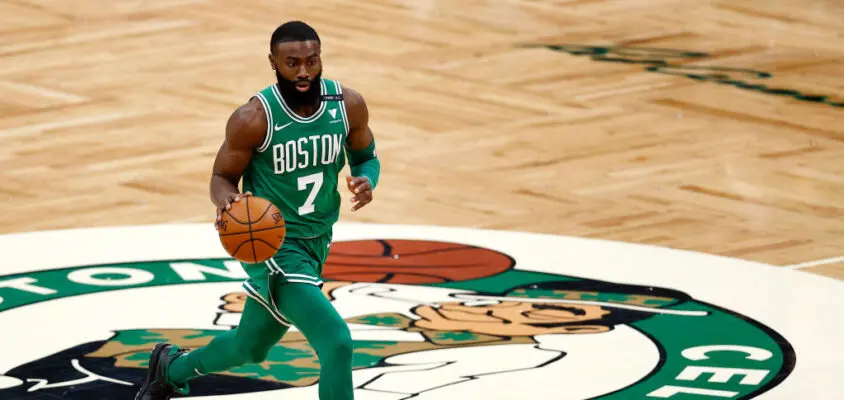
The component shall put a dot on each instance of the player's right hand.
(226, 204)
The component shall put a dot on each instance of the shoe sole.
(153, 368)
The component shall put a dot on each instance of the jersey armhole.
(268, 137)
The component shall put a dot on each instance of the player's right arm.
(245, 132)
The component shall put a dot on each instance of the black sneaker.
(155, 386)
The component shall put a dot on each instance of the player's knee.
(257, 355)
(252, 353)
(342, 341)
(336, 344)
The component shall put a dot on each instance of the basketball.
(412, 261)
(252, 230)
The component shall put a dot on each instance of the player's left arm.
(360, 148)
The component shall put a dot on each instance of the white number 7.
(304, 181)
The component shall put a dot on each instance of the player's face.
(298, 63)
(511, 318)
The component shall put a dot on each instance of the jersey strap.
(268, 136)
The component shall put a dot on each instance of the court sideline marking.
(815, 263)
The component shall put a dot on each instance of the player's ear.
(272, 62)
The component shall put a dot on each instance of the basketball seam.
(265, 212)
(237, 220)
(396, 275)
(445, 278)
(388, 248)
(255, 230)
(236, 249)
(415, 253)
(411, 265)
(251, 240)
(247, 214)
(262, 241)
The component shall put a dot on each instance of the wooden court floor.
(713, 126)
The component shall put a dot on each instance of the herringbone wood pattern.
(111, 113)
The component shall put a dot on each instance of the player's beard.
(294, 98)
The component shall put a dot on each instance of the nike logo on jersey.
(333, 113)
(278, 128)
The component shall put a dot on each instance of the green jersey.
(297, 166)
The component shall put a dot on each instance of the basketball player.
(288, 144)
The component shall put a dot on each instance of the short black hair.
(293, 31)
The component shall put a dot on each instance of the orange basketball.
(252, 230)
(412, 261)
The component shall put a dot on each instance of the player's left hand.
(361, 190)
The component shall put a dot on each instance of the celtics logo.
(428, 318)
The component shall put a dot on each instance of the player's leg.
(311, 312)
(256, 334)
(171, 367)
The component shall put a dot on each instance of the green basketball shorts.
(299, 260)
